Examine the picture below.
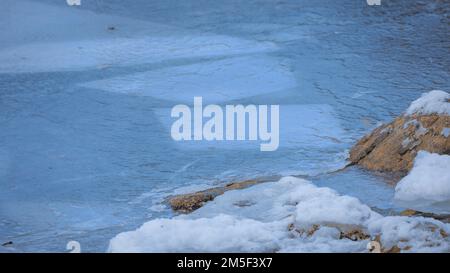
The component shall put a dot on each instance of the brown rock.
(190, 202)
(351, 232)
(441, 217)
(186, 203)
(381, 249)
(393, 147)
(394, 249)
(309, 232)
(354, 235)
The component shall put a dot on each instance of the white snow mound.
(428, 180)
(434, 102)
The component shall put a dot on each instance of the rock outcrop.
(189, 202)
(393, 147)
(350, 232)
(445, 218)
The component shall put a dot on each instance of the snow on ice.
(291, 215)
(434, 102)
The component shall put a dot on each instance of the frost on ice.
(428, 180)
(291, 215)
(434, 102)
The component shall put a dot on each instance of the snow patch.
(222, 233)
(446, 132)
(428, 180)
(412, 234)
(434, 102)
(413, 122)
(406, 142)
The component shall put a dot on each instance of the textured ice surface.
(215, 81)
(121, 51)
(66, 39)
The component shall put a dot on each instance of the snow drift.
(428, 180)
(291, 215)
(434, 102)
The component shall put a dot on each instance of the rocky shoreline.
(390, 149)
(298, 217)
(425, 126)
(394, 146)
(186, 203)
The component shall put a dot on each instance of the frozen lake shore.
(86, 93)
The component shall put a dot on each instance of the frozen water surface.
(85, 95)
(215, 81)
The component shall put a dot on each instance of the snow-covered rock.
(411, 234)
(393, 146)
